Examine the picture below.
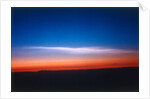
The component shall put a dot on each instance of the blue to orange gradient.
(74, 38)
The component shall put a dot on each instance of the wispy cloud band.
(83, 50)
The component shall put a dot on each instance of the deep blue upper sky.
(115, 27)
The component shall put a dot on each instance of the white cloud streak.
(84, 50)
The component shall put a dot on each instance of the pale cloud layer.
(83, 50)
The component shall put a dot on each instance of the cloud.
(83, 50)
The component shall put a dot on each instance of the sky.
(74, 38)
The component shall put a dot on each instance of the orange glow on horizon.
(34, 65)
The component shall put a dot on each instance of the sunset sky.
(74, 38)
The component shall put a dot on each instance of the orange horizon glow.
(35, 65)
(66, 68)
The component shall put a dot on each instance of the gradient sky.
(68, 38)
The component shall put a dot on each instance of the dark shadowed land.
(98, 80)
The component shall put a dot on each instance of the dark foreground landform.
(98, 80)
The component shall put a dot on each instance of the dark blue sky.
(115, 27)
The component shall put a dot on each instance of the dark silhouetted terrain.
(98, 80)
